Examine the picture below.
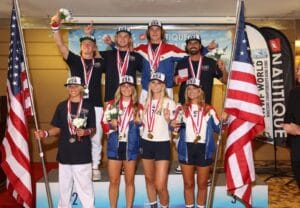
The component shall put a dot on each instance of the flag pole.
(213, 180)
(41, 153)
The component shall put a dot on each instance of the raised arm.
(222, 67)
(55, 26)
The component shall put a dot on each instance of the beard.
(193, 51)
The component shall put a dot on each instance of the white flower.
(79, 122)
(65, 14)
(113, 113)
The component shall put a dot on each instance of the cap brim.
(193, 39)
(127, 83)
(124, 31)
(87, 38)
(72, 84)
(157, 80)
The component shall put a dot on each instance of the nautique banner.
(282, 79)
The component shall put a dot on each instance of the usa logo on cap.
(154, 23)
(123, 29)
(193, 36)
(73, 81)
(193, 81)
(127, 79)
(158, 76)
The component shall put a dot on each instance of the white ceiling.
(41, 9)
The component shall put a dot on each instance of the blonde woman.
(196, 144)
(155, 142)
(121, 122)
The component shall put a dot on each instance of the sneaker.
(96, 175)
(177, 169)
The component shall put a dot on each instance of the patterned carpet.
(283, 193)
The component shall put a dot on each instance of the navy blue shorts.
(121, 152)
(155, 150)
(196, 155)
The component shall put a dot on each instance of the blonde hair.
(163, 95)
(134, 97)
(201, 97)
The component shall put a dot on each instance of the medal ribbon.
(191, 68)
(125, 118)
(87, 73)
(69, 117)
(122, 65)
(151, 116)
(197, 126)
(154, 56)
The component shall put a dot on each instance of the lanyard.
(154, 57)
(151, 116)
(69, 117)
(198, 123)
(125, 118)
(199, 69)
(122, 65)
(87, 73)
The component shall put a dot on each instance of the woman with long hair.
(196, 145)
(155, 142)
(121, 122)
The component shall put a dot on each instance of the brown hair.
(162, 34)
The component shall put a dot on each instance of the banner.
(262, 64)
(282, 78)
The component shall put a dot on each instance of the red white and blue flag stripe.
(15, 149)
(246, 119)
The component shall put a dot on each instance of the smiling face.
(123, 40)
(193, 47)
(156, 86)
(75, 90)
(155, 33)
(126, 90)
(194, 94)
(87, 49)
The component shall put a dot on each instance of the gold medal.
(150, 135)
(198, 137)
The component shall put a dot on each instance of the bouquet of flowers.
(65, 14)
(79, 122)
(112, 113)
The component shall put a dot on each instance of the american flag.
(15, 150)
(245, 118)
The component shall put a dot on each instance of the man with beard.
(198, 66)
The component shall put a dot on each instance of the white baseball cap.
(127, 79)
(158, 76)
(73, 81)
(193, 81)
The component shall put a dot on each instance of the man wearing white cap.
(87, 66)
(120, 62)
(74, 123)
